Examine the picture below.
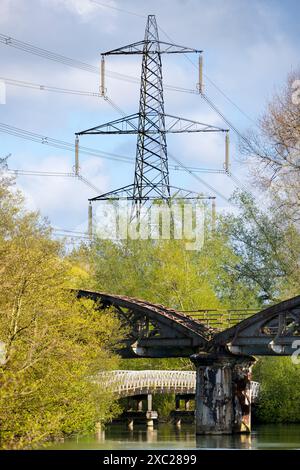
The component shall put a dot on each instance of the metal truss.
(274, 331)
(127, 193)
(158, 331)
(152, 42)
(153, 330)
(172, 124)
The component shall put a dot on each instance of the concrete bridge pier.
(223, 394)
(179, 414)
(150, 415)
(177, 418)
(136, 412)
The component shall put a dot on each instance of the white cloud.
(85, 9)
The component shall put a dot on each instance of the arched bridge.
(223, 359)
(271, 332)
(158, 331)
(155, 330)
(127, 383)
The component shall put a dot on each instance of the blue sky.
(249, 48)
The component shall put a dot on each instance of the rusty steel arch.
(271, 332)
(155, 330)
(158, 331)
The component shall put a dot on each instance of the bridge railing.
(255, 388)
(135, 382)
(124, 381)
(221, 318)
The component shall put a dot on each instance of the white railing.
(129, 382)
(255, 387)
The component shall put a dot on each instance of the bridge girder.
(271, 332)
(154, 330)
(157, 331)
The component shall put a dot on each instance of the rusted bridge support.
(223, 395)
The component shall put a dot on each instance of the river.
(167, 436)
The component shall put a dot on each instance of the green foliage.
(267, 249)
(53, 342)
(164, 404)
(165, 272)
(280, 390)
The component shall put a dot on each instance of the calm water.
(167, 436)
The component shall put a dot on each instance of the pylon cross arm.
(153, 46)
(170, 48)
(173, 124)
(125, 125)
(178, 124)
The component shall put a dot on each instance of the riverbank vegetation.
(51, 344)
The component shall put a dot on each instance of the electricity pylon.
(150, 124)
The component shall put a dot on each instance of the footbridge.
(138, 386)
(127, 383)
(222, 354)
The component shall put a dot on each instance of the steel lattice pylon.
(150, 124)
(151, 167)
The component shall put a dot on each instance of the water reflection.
(227, 441)
(168, 436)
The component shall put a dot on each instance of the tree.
(274, 151)
(280, 390)
(164, 271)
(52, 343)
(267, 249)
(268, 243)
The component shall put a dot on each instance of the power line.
(70, 62)
(40, 87)
(21, 172)
(187, 57)
(196, 169)
(44, 53)
(213, 84)
(79, 237)
(117, 9)
(78, 64)
(88, 183)
(200, 180)
(38, 138)
(75, 232)
(32, 136)
(26, 47)
(229, 123)
(230, 100)
(89, 68)
(29, 48)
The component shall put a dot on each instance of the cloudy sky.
(249, 48)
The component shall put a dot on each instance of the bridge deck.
(141, 382)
